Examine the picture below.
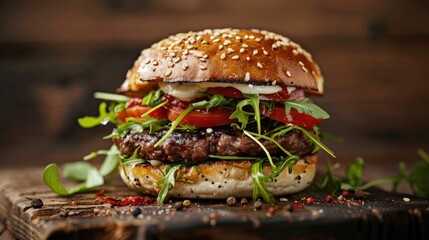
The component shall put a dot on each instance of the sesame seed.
(265, 52)
(248, 58)
(185, 66)
(203, 66)
(259, 65)
(246, 36)
(301, 63)
(204, 42)
(223, 56)
(168, 73)
(147, 61)
(244, 45)
(198, 38)
(238, 37)
(176, 60)
(203, 60)
(209, 130)
(274, 46)
(241, 50)
(257, 39)
(304, 69)
(216, 40)
(191, 40)
(247, 77)
(274, 83)
(252, 37)
(220, 47)
(170, 64)
(184, 57)
(155, 63)
(288, 74)
(205, 56)
(295, 52)
(250, 85)
(235, 57)
(255, 52)
(226, 42)
(230, 50)
(189, 47)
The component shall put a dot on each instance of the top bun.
(225, 55)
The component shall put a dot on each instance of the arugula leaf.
(254, 102)
(273, 141)
(243, 116)
(354, 172)
(174, 125)
(263, 148)
(152, 98)
(215, 101)
(303, 106)
(153, 109)
(132, 159)
(259, 180)
(51, 178)
(111, 97)
(103, 118)
(166, 181)
(316, 141)
(110, 163)
(328, 181)
(77, 171)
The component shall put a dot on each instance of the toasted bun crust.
(218, 180)
(226, 55)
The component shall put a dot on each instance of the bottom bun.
(218, 180)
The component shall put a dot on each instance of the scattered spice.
(271, 210)
(187, 203)
(309, 201)
(359, 195)
(178, 206)
(329, 199)
(257, 205)
(128, 201)
(345, 193)
(137, 211)
(73, 203)
(289, 207)
(101, 192)
(36, 203)
(243, 201)
(297, 205)
(406, 199)
(231, 201)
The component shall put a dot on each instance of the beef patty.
(186, 146)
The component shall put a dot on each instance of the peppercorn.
(271, 210)
(329, 199)
(359, 195)
(231, 201)
(345, 193)
(243, 201)
(178, 206)
(187, 203)
(36, 203)
(136, 211)
(309, 201)
(257, 205)
(289, 207)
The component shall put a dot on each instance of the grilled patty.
(195, 146)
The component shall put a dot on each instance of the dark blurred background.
(55, 54)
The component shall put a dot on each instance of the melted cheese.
(190, 91)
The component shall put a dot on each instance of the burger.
(217, 113)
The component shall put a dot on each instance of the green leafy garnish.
(111, 97)
(262, 146)
(103, 118)
(168, 180)
(315, 141)
(303, 106)
(174, 125)
(243, 116)
(153, 98)
(214, 101)
(259, 180)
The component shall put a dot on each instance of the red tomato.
(136, 111)
(294, 117)
(200, 118)
(278, 96)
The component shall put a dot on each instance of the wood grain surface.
(379, 215)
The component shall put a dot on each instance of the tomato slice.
(278, 96)
(136, 111)
(217, 116)
(294, 117)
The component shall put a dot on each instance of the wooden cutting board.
(379, 215)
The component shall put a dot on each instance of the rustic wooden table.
(379, 215)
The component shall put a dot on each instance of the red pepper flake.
(309, 201)
(271, 210)
(297, 205)
(73, 203)
(329, 199)
(101, 192)
(128, 201)
(345, 193)
(215, 215)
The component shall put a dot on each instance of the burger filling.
(190, 123)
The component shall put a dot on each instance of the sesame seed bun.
(218, 180)
(225, 55)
